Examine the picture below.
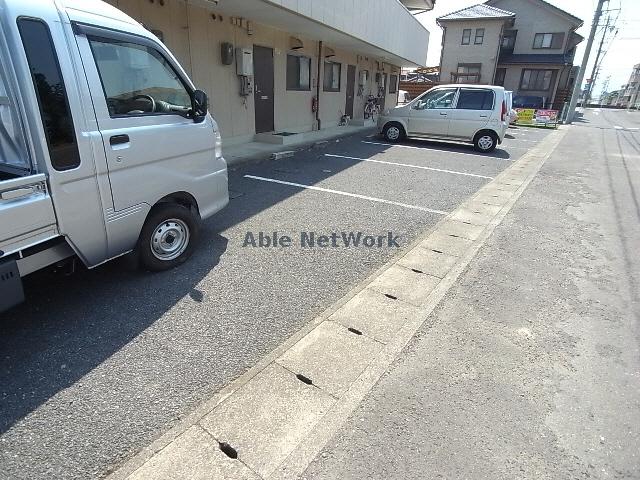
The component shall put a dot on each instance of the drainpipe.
(318, 85)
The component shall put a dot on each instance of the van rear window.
(474, 99)
(51, 93)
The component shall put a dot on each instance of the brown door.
(351, 85)
(263, 91)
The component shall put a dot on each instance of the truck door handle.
(17, 193)
(119, 139)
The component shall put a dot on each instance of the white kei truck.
(106, 146)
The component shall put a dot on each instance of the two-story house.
(528, 46)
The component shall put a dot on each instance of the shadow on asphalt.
(97, 312)
(92, 314)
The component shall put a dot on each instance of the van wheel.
(168, 237)
(485, 142)
(393, 132)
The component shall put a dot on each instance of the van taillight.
(504, 111)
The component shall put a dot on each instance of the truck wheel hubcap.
(393, 133)
(170, 239)
(485, 142)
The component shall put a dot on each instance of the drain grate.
(304, 379)
(388, 295)
(354, 330)
(437, 251)
(415, 270)
(228, 450)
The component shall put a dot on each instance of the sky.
(622, 53)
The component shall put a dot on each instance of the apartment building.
(629, 95)
(288, 66)
(528, 46)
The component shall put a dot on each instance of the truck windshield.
(14, 157)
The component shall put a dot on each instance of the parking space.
(97, 363)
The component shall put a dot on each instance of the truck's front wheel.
(168, 237)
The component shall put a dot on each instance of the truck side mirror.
(199, 105)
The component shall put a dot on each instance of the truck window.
(138, 80)
(51, 93)
(14, 157)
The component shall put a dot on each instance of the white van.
(106, 146)
(468, 113)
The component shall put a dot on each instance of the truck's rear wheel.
(168, 237)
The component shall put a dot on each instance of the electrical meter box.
(244, 61)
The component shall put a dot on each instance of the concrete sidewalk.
(530, 367)
(235, 154)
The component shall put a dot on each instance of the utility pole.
(578, 81)
(596, 69)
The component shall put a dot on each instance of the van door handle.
(119, 139)
(443, 113)
(484, 116)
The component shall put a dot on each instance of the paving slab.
(375, 315)
(454, 246)
(405, 284)
(197, 453)
(331, 356)
(428, 261)
(459, 229)
(268, 417)
(491, 200)
(468, 215)
(478, 207)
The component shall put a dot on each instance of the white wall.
(453, 52)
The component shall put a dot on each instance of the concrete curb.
(279, 415)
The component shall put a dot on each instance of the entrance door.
(263, 92)
(351, 85)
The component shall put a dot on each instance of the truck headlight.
(218, 147)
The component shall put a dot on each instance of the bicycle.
(372, 107)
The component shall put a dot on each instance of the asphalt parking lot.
(98, 363)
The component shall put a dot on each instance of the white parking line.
(408, 165)
(347, 194)
(437, 150)
(521, 140)
(618, 127)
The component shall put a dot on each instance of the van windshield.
(14, 157)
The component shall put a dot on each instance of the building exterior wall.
(454, 53)
(194, 36)
(630, 96)
(531, 18)
(513, 77)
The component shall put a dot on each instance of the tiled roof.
(477, 11)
